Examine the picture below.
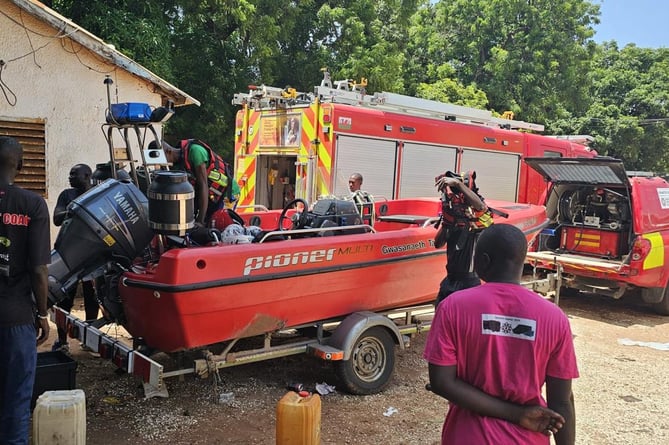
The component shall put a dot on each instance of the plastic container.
(55, 371)
(298, 419)
(60, 418)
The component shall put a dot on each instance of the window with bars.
(30, 133)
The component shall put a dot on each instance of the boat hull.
(195, 297)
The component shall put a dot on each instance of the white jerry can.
(59, 418)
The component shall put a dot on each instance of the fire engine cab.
(306, 145)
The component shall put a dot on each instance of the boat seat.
(406, 219)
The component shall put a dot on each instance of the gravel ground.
(621, 397)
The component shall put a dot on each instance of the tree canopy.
(533, 57)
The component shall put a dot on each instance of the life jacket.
(456, 211)
(219, 173)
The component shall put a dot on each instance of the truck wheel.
(662, 307)
(371, 364)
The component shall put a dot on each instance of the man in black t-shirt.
(80, 180)
(464, 216)
(24, 255)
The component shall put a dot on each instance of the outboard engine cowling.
(110, 221)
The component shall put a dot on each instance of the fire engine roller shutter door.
(496, 173)
(421, 163)
(374, 159)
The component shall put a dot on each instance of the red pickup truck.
(608, 229)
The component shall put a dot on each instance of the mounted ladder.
(264, 96)
(445, 111)
(351, 93)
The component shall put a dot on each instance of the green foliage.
(451, 91)
(629, 106)
(527, 56)
(137, 28)
(533, 57)
(367, 38)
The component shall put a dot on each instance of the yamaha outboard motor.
(109, 222)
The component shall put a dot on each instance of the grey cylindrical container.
(171, 203)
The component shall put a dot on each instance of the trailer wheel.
(569, 292)
(371, 365)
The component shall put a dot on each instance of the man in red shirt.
(491, 348)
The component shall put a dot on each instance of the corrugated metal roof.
(103, 50)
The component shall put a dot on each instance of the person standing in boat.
(80, 182)
(363, 200)
(491, 349)
(464, 215)
(355, 182)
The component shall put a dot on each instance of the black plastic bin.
(55, 371)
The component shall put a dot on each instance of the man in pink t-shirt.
(491, 349)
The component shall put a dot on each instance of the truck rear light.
(120, 358)
(640, 249)
(73, 330)
(105, 350)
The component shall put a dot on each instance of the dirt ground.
(621, 397)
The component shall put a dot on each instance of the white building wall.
(60, 81)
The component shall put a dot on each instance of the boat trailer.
(330, 340)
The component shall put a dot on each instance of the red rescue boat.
(348, 277)
(174, 293)
(196, 296)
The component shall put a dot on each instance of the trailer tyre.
(371, 365)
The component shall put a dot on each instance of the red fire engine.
(306, 145)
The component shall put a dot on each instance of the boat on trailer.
(338, 262)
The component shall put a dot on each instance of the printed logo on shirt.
(506, 326)
(15, 219)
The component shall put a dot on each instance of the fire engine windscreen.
(109, 222)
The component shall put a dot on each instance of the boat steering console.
(325, 214)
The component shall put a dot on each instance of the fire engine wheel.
(371, 365)
(302, 220)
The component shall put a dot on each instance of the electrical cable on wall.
(76, 52)
(60, 35)
(6, 91)
(30, 42)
